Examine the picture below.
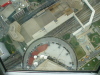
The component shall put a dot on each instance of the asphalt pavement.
(92, 55)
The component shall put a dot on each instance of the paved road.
(93, 54)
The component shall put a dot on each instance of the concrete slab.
(7, 11)
(64, 58)
(50, 66)
(53, 50)
(29, 28)
(58, 52)
(26, 36)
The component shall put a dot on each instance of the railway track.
(93, 2)
(97, 15)
(72, 25)
(84, 18)
(65, 26)
(13, 61)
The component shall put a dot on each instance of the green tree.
(66, 36)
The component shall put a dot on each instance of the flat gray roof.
(44, 18)
(29, 28)
(7, 11)
(35, 24)
(50, 66)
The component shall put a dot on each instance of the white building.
(3, 51)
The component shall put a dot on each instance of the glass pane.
(50, 35)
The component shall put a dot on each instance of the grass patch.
(78, 49)
(74, 42)
(93, 65)
(97, 23)
(95, 39)
(79, 52)
(8, 43)
(66, 36)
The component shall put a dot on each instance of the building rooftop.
(68, 11)
(29, 28)
(44, 18)
(58, 8)
(7, 11)
(49, 65)
(52, 48)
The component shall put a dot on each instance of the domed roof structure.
(48, 51)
